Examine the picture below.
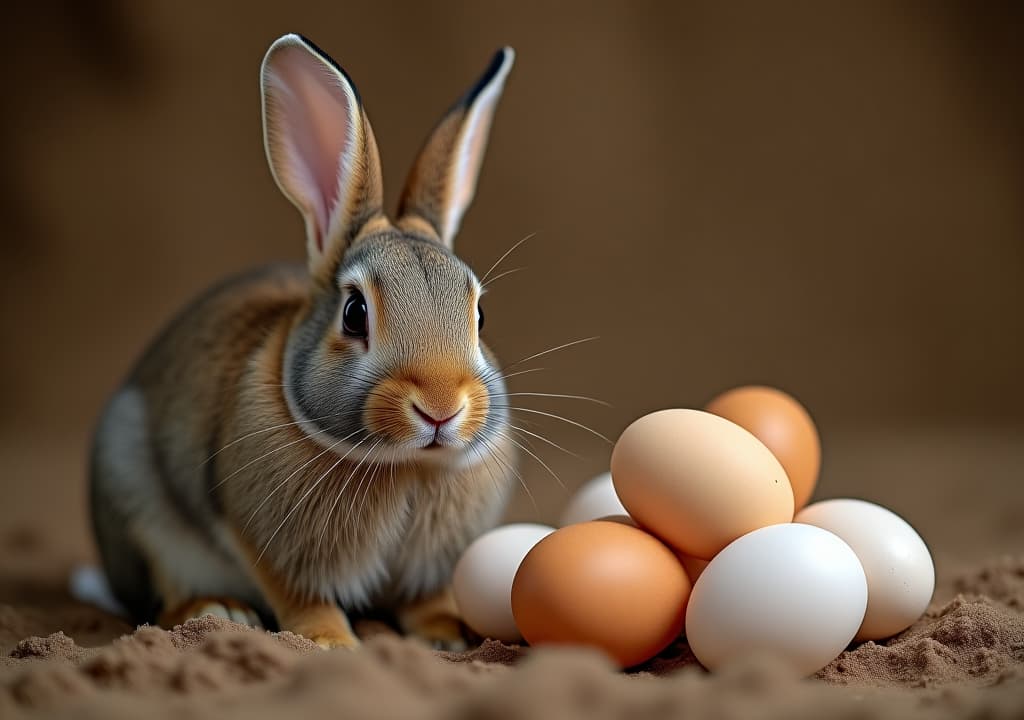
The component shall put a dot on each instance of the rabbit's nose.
(436, 422)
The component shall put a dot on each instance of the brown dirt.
(965, 657)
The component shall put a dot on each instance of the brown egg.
(698, 481)
(604, 584)
(693, 566)
(782, 424)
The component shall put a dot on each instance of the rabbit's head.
(388, 356)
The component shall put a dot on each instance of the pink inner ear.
(310, 118)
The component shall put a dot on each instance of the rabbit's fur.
(262, 459)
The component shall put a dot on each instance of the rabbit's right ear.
(320, 147)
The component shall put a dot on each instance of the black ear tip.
(499, 65)
(504, 54)
(501, 62)
(316, 50)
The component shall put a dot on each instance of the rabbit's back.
(190, 376)
(151, 465)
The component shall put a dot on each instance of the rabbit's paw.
(435, 620)
(327, 627)
(441, 632)
(330, 640)
(227, 608)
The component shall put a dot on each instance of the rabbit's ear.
(443, 179)
(320, 147)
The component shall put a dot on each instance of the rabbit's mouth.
(427, 416)
(442, 439)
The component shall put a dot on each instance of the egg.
(698, 481)
(693, 566)
(482, 581)
(794, 591)
(595, 499)
(783, 425)
(603, 584)
(899, 569)
(624, 519)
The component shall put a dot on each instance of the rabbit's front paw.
(226, 608)
(326, 626)
(331, 639)
(442, 632)
(435, 620)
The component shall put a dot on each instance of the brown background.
(822, 197)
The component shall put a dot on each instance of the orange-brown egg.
(604, 584)
(783, 425)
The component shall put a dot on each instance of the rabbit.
(302, 443)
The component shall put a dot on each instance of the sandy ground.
(963, 489)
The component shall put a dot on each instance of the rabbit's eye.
(353, 319)
(479, 317)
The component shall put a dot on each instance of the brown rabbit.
(302, 442)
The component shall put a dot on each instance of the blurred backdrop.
(825, 197)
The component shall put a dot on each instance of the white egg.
(483, 576)
(595, 499)
(898, 566)
(796, 592)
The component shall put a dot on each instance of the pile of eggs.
(703, 527)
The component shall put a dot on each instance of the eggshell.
(783, 425)
(898, 566)
(624, 519)
(698, 481)
(595, 499)
(694, 567)
(793, 591)
(482, 581)
(603, 584)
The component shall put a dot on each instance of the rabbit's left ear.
(443, 179)
(320, 147)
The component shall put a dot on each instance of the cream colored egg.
(898, 566)
(482, 581)
(783, 425)
(795, 592)
(698, 481)
(595, 499)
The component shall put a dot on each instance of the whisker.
(558, 417)
(300, 469)
(505, 255)
(500, 275)
(261, 457)
(394, 457)
(265, 430)
(523, 372)
(504, 462)
(368, 489)
(483, 461)
(535, 457)
(555, 395)
(368, 476)
(544, 439)
(304, 496)
(563, 346)
(341, 492)
(359, 484)
(364, 380)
